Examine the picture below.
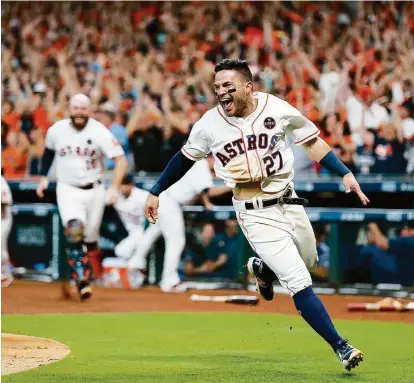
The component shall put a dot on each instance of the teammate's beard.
(79, 126)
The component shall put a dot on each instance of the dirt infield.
(32, 298)
(20, 352)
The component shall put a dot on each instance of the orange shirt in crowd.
(13, 161)
(173, 66)
(332, 141)
(12, 120)
(313, 114)
(41, 119)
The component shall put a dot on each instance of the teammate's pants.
(170, 225)
(6, 225)
(128, 246)
(86, 205)
(283, 237)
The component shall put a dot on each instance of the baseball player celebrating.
(170, 225)
(80, 145)
(247, 134)
(6, 224)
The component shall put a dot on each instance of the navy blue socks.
(313, 311)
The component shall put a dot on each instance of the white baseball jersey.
(254, 148)
(6, 224)
(80, 153)
(6, 195)
(131, 209)
(187, 189)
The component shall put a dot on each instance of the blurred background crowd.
(148, 68)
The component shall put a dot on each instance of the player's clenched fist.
(151, 208)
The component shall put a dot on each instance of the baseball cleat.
(84, 289)
(264, 277)
(6, 281)
(349, 356)
(178, 288)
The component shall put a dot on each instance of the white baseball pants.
(283, 237)
(86, 205)
(128, 246)
(170, 225)
(6, 225)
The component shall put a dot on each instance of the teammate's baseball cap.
(128, 179)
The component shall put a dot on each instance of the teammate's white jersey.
(254, 148)
(6, 195)
(188, 188)
(6, 224)
(80, 153)
(131, 209)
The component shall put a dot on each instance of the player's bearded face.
(79, 114)
(232, 93)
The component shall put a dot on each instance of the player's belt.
(284, 200)
(89, 186)
(279, 201)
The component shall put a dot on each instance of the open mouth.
(227, 104)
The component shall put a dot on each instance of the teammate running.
(80, 145)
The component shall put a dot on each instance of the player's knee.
(74, 231)
(301, 282)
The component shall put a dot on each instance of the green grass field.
(207, 347)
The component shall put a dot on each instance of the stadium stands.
(347, 66)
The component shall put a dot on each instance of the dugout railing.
(36, 243)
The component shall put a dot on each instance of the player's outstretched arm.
(175, 170)
(318, 150)
(46, 163)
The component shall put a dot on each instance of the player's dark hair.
(128, 179)
(238, 65)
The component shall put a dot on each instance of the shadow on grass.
(344, 376)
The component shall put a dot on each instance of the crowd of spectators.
(148, 69)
